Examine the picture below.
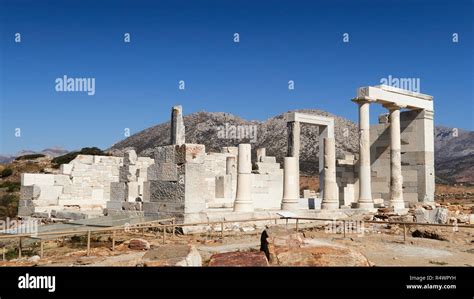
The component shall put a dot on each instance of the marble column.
(294, 130)
(365, 181)
(291, 184)
(396, 178)
(243, 199)
(330, 193)
(177, 126)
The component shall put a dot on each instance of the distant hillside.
(51, 152)
(454, 155)
(203, 127)
(454, 149)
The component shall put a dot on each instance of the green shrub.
(11, 186)
(6, 173)
(8, 206)
(30, 157)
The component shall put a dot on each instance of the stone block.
(130, 158)
(66, 169)
(224, 186)
(165, 154)
(165, 191)
(195, 207)
(152, 172)
(312, 203)
(114, 205)
(50, 193)
(173, 255)
(29, 192)
(163, 207)
(193, 182)
(118, 191)
(190, 153)
(132, 189)
(84, 159)
(62, 180)
(97, 194)
(68, 215)
(267, 167)
(438, 215)
(163, 172)
(261, 152)
(268, 159)
(349, 195)
(128, 173)
(28, 179)
(132, 206)
(233, 150)
(25, 207)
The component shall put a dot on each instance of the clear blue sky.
(137, 82)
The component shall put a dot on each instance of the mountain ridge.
(453, 147)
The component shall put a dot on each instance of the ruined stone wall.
(412, 126)
(185, 182)
(175, 181)
(347, 178)
(267, 184)
(127, 193)
(82, 185)
(417, 161)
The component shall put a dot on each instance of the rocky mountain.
(216, 129)
(454, 155)
(454, 148)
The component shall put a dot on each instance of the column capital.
(393, 106)
(363, 100)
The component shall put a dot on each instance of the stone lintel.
(384, 94)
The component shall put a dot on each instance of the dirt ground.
(382, 245)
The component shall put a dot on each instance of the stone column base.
(397, 205)
(365, 205)
(290, 205)
(243, 206)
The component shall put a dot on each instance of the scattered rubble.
(246, 259)
(139, 244)
(430, 234)
(173, 255)
(286, 248)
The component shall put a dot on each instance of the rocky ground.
(378, 245)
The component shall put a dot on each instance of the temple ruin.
(395, 167)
